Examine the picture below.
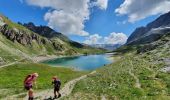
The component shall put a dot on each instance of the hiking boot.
(59, 95)
(55, 97)
(31, 98)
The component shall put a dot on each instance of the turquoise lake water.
(89, 62)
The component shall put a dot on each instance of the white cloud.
(93, 39)
(66, 22)
(68, 16)
(113, 38)
(140, 9)
(102, 4)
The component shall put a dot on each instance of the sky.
(87, 21)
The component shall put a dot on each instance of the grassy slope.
(16, 50)
(115, 81)
(14, 75)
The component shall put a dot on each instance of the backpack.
(27, 79)
(57, 83)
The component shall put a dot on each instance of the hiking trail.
(45, 94)
(10, 63)
(137, 83)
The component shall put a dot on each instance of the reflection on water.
(89, 62)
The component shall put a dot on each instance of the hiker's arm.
(35, 83)
(60, 83)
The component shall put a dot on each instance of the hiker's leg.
(55, 95)
(59, 95)
(30, 94)
(30, 98)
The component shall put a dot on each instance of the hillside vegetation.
(137, 75)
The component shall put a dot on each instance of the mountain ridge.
(139, 35)
(44, 31)
(49, 33)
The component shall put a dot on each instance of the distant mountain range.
(109, 47)
(151, 32)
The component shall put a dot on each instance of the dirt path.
(12, 63)
(9, 64)
(42, 95)
(137, 83)
(103, 97)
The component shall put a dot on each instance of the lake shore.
(82, 62)
(42, 58)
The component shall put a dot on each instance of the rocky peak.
(30, 26)
(44, 31)
(47, 32)
(163, 21)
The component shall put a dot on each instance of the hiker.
(29, 81)
(57, 83)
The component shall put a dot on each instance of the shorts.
(28, 87)
(56, 89)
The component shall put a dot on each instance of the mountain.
(109, 47)
(151, 32)
(26, 41)
(49, 33)
(44, 31)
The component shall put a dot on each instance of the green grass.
(12, 76)
(115, 82)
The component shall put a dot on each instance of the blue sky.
(104, 23)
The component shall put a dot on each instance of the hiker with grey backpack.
(57, 84)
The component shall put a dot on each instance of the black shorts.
(28, 87)
(56, 89)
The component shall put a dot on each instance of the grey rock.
(166, 69)
(167, 61)
(58, 46)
